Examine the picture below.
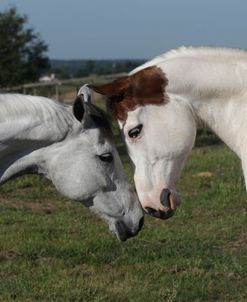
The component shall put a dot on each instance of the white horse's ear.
(81, 102)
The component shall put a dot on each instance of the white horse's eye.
(135, 132)
(106, 157)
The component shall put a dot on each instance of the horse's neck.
(214, 84)
(226, 118)
(19, 158)
(24, 136)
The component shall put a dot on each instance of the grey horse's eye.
(106, 157)
(135, 132)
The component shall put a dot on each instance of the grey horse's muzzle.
(123, 232)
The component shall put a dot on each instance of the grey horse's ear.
(81, 102)
(78, 108)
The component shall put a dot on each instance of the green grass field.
(52, 249)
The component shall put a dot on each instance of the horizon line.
(93, 59)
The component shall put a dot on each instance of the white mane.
(198, 52)
(12, 106)
(25, 114)
(219, 52)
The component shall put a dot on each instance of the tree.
(22, 51)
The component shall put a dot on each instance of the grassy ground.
(52, 249)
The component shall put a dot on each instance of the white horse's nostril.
(165, 198)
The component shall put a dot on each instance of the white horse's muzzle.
(169, 200)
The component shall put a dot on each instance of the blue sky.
(105, 29)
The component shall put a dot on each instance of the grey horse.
(73, 147)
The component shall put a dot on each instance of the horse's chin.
(160, 214)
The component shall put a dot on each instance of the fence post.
(57, 91)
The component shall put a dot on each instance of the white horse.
(160, 105)
(72, 148)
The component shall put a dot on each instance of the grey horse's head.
(87, 168)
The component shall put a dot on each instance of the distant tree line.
(64, 69)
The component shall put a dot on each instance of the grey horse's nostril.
(165, 198)
(141, 222)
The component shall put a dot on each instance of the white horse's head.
(159, 132)
(86, 167)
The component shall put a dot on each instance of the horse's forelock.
(100, 118)
(146, 86)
